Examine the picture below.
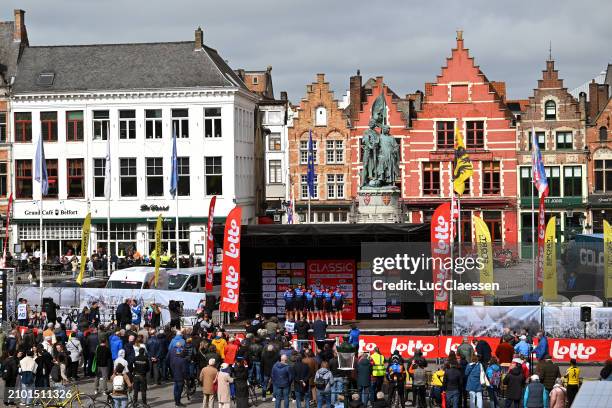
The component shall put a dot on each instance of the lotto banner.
(210, 245)
(230, 277)
(440, 248)
(608, 258)
(332, 272)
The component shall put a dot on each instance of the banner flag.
(210, 245)
(541, 233)
(550, 262)
(441, 248)
(463, 167)
(230, 277)
(84, 246)
(9, 208)
(608, 258)
(485, 251)
(158, 235)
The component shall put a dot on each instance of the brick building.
(599, 140)
(462, 96)
(319, 112)
(559, 121)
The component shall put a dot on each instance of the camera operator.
(176, 313)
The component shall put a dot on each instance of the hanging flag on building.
(40, 172)
(608, 258)
(550, 262)
(463, 167)
(174, 174)
(158, 236)
(485, 251)
(9, 208)
(311, 169)
(541, 184)
(441, 248)
(230, 275)
(210, 246)
(84, 245)
(107, 172)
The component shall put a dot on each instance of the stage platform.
(415, 327)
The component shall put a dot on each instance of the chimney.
(459, 39)
(320, 78)
(283, 96)
(20, 34)
(355, 86)
(199, 39)
(418, 100)
(593, 104)
(582, 106)
(602, 96)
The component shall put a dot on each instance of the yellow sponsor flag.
(485, 251)
(84, 246)
(463, 167)
(550, 261)
(608, 258)
(158, 235)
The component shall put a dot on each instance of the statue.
(370, 140)
(388, 158)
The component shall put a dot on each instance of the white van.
(193, 279)
(138, 277)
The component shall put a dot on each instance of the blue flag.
(174, 175)
(40, 169)
(311, 169)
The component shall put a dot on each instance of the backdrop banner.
(490, 320)
(564, 322)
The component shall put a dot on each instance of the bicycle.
(253, 395)
(109, 402)
(189, 389)
(73, 398)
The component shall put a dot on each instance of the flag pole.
(40, 221)
(176, 222)
(108, 210)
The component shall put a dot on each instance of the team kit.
(315, 303)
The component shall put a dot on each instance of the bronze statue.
(371, 140)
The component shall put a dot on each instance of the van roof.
(137, 273)
(192, 271)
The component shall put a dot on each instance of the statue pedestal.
(379, 205)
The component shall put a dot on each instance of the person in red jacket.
(504, 352)
(230, 351)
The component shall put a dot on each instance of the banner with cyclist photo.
(490, 320)
(564, 322)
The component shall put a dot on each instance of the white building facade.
(210, 110)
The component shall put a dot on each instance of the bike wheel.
(82, 401)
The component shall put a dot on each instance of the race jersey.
(299, 293)
(573, 376)
(288, 296)
(136, 314)
(318, 293)
(309, 296)
(327, 296)
(338, 295)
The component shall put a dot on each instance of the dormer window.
(550, 110)
(255, 80)
(45, 79)
(321, 116)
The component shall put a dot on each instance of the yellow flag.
(84, 245)
(608, 258)
(463, 166)
(550, 261)
(158, 235)
(485, 251)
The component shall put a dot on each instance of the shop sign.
(154, 207)
(600, 200)
(554, 202)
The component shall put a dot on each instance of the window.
(572, 181)
(550, 110)
(474, 134)
(48, 126)
(99, 173)
(431, 178)
(122, 236)
(155, 176)
(553, 174)
(153, 123)
(541, 138)
(184, 185)
(603, 133)
(466, 226)
(304, 186)
(321, 116)
(127, 177)
(168, 237)
(274, 142)
(527, 187)
(491, 177)
(304, 151)
(335, 151)
(53, 180)
(74, 126)
(213, 175)
(3, 179)
(180, 122)
(23, 178)
(274, 172)
(101, 125)
(23, 127)
(274, 118)
(2, 127)
(565, 140)
(76, 178)
(445, 135)
(127, 124)
(212, 122)
(335, 186)
(493, 219)
(603, 176)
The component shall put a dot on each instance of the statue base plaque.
(379, 205)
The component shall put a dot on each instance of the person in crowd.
(380, 401)
(483, 351)
(319, 330)
(301, 382)
(219, 342)
(356, 402)
(354, 335)
(120, 360)
(364, 372)
(282, 377)
(494, 376)
(241, 375)
(378, 373)
(523, 347)
(27, 374)
(10, 362)
(541, 350)
(535, 395)
(44, 362)
(572, 376)
(140, 369)
(179, 368)
(310, 360)
(606, 372)
(208, 376)
(121, 385)
(437, 381)
(473, 383)
(323, 382)
(224, 379)
(123, 314)
(514, 382)
(74, 347)
(116, 344)
(504, 352)
(548, 372)
(559, 396)
(302, 329)
(419, 385)
(91, 343)
(104, 363)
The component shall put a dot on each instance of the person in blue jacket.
(309, 306)
(337, 305)
(354, 335)
(327, 304)
(318, 299)
(472, 384)
(541, 349)
(282, 377)
(136, 309)
(116, 344)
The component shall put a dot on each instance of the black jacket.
(514, 384)
(241, 374)
(301, 329)
(141, 366)
(301, 374)
(268, 359)
(319, 330)
(123, 314)
(104, 357)
(453, 379)
(11, 369)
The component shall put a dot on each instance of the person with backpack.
(323, 380)
(121, 384)
(10, 371)
(27, 374)
(396, 375)
(494, 376)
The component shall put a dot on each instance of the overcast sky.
(405, 41)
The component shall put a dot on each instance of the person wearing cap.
(207, 377)
(536, 395)
(224, 379)
(523, 347)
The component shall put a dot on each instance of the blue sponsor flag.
(311, 169)
(40, 169)
(539, 173)
(174, 175)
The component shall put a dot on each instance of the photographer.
(176, 313)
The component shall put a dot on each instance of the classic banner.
(441, 248)
(230, 278)
(158, 235)
(608, 258)
(84, 246)
(541, 233)
(485, 251)
(210, 246)
(550, 262)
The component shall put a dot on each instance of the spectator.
(121, 384)
(473, 384)
(219, 343)
(75, 349)
(208, 375)
(419, 384)
(514, 382)
(178, 365)
(282, 377)
(535, 394)
(465, 349)
(123, 314)
(548, 372)
(483, 350)
(364, 371)
(223, 386)
(103, 366)
(523, 347)
(11, 370)
(558, 395)
(120, 360)
(140, 368)
(504, 352)
(268, 358)
(494, 377)
(606, 372)
(301, 385)
(27, 373)
(380, 401)
(541, 350)
(356, 402)
(241, 375)
(323, 382)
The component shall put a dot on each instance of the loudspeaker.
(585, 314)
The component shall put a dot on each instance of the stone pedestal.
(379, 205)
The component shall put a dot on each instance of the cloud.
(405, 41)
